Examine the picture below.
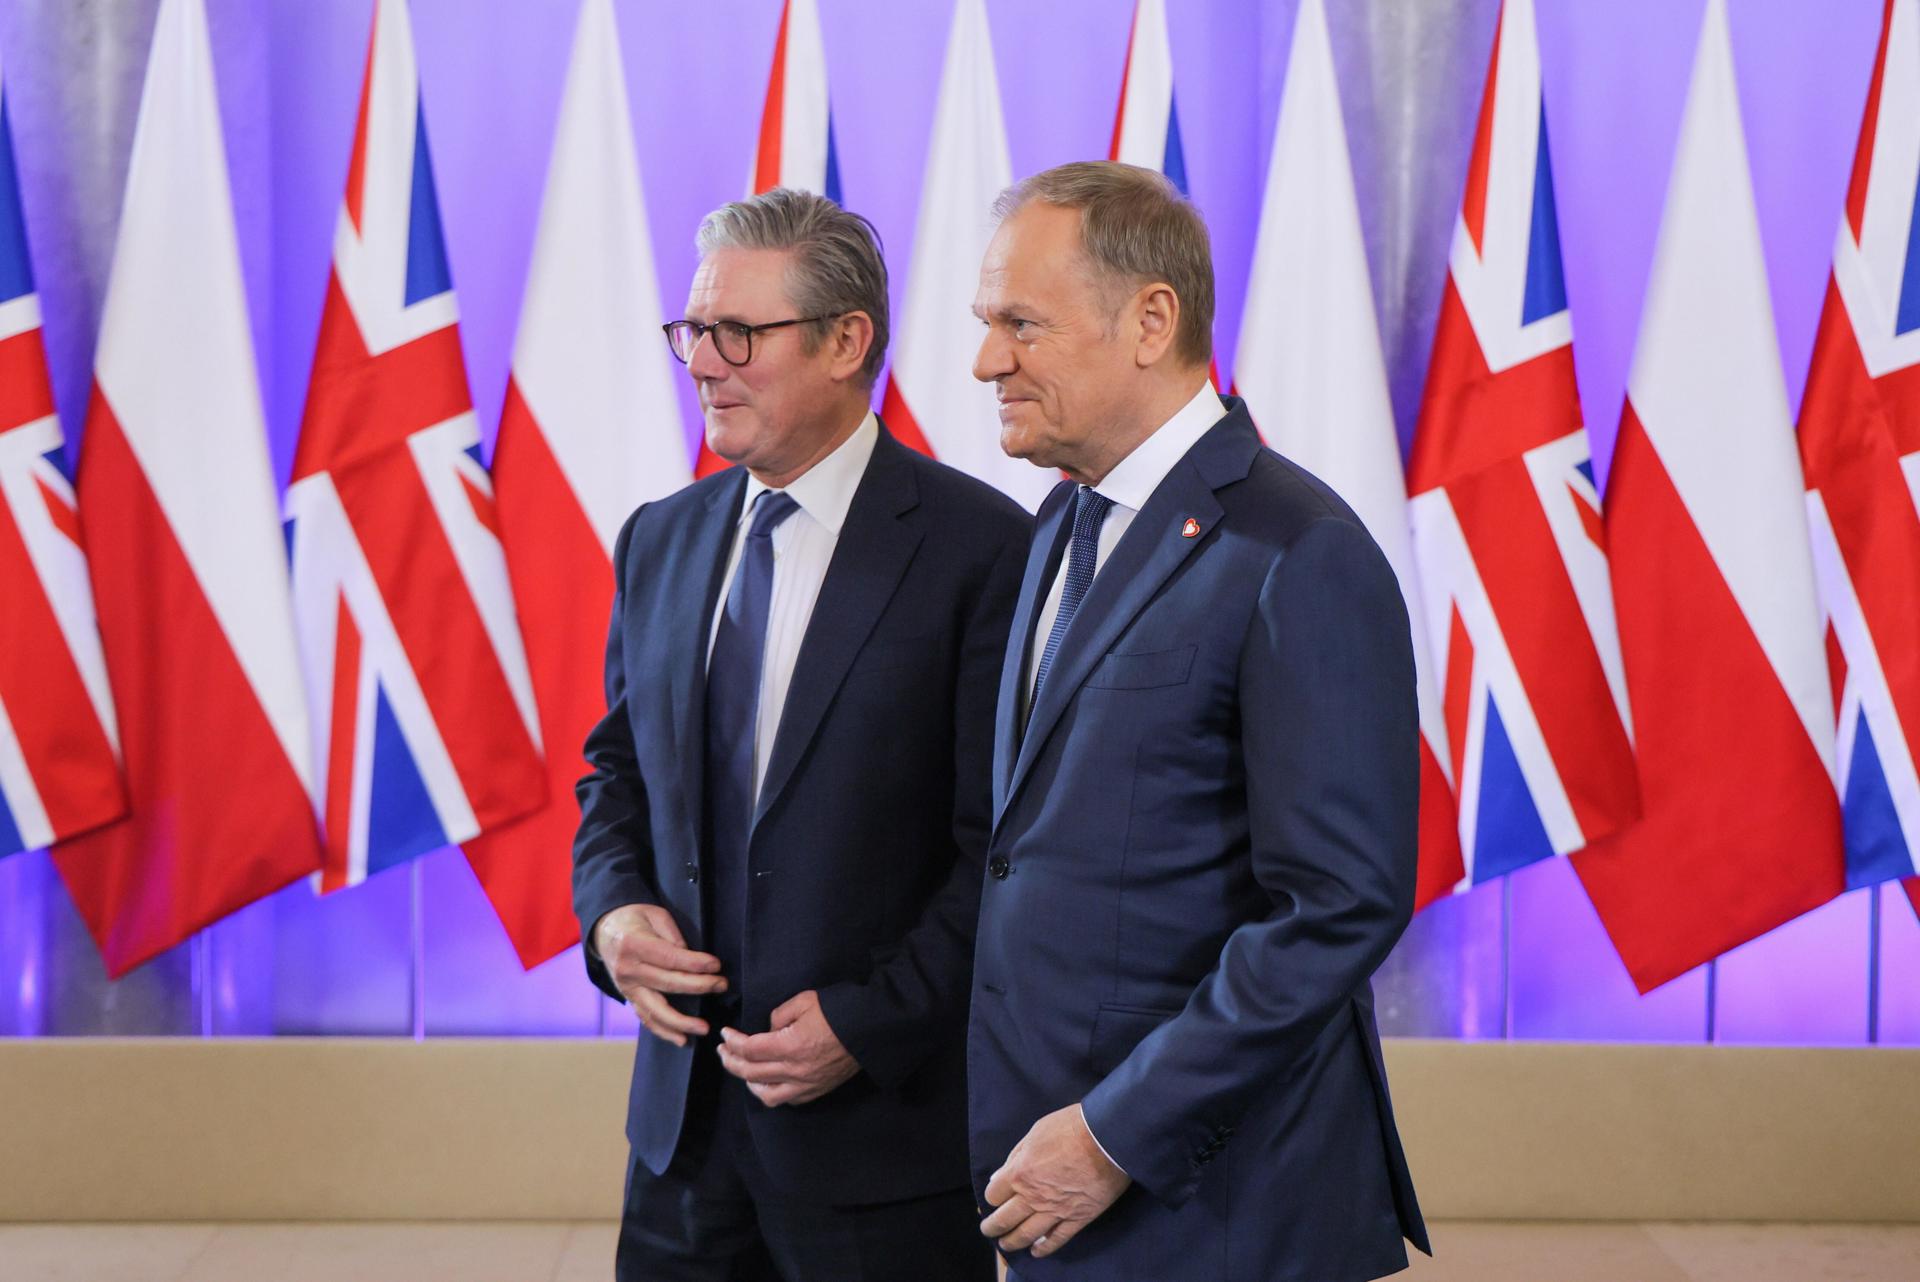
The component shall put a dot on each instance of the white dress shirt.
(803, 547)
(1132, 481)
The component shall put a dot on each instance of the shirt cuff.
(1102, 1147)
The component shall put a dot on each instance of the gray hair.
(1135, 229)
(836, 265)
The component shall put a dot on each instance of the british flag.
(1146, 128)
(423, 710)
(1860, 441)
(59, 768)
(1506, 522)
(795, 147)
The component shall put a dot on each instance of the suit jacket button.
(998, 867)
(693, 872)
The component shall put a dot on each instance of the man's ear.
(1157, 312)
(849, 339)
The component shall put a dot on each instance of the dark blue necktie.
(733, 706)
(1090, 508)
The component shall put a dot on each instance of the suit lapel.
(695, 591)
(876, 543)
(1154, 546)
(1043, 561)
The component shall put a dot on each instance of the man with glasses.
(782, 835)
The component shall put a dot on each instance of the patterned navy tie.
(733, 706)
(1090, 508)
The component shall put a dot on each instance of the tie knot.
(1089, 507)
(771, 508)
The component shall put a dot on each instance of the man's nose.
(704, 361)
(994, 359)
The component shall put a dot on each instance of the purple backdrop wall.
(491, 74)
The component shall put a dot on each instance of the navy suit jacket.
(1203, 846)
(868, 839)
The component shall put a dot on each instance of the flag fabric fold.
(425, 731)
(1860, 445)
(795, 146)
(1713, 582)
(176, 494)
(59, 754)
(1310, 367)
(932, 400)
(591, 430)
(1506, 519)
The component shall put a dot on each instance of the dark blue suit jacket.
(867, 846)
(1203, 846)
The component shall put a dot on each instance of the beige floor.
(565, 1252)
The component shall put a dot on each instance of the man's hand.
(648, 957)
(797, 1062)
(1054, 1183)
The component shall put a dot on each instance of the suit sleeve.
(613, 849)
(1329, 734)
(918, 991)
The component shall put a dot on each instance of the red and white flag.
(1506, 520)
(1714, 583)
(59, 756)
(422, 708)
(591, 430)
(176, 494)
(1314, 379)
(933, 402)
(1860, 443)
(795, 147)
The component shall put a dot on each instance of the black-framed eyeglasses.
(732, 339)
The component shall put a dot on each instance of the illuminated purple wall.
(1526, 959)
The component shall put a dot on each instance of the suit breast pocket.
(1143, 671)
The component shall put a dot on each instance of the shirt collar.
(825, 490)
(1134, 479)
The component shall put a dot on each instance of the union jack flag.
(59, 746)
(1506, 519)
(1860, 441)
(795, 147)
(423, 710)
(1146, 128)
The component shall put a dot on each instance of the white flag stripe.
(967, 166)
(60, 565)
(180, 260)
(1149, 101)
(1706, 384)
(589, 358)
(1309, 362)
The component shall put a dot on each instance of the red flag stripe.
(1546, 633)
(1740, 829)
(66, 748)
(420, 580)
(206, 774)
(564, 585)
(338, 804)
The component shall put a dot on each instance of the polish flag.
(1860, 444)
(1506, 521)
(795, 147)
(1314, 379)
(590, 431)
(176, 493)
(1713, 577)
(59, 754)
(933, 402)
(417, 682)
